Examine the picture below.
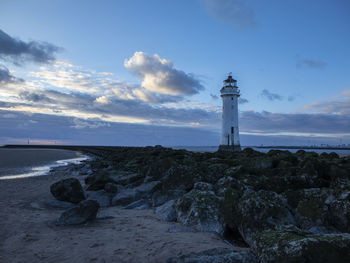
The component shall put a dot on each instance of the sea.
(27, 162)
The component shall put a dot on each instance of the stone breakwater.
(285, 207)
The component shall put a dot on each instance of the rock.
(180, 177)
(340, 212)
(132, 179)
(162, 196)
(340, 178)
(312, 209)
(257, 211)
(98, 180)
(229, 182)
(130, 195)
(235, 171)
(139, 204)
(85, 211)
(202, 186)
(296, 246)
(111, 188)
(229, 207)
(216, 255)
(68, 190)
(200, 209)
(166, 211)
(102, 197)
(125, 197)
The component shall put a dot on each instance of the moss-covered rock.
(340, 212)
(261, 210)
(312, 209)
(180, 177)
(200, 209)
(297, 246)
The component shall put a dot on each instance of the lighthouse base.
(229, 147)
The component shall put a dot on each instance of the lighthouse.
(229, 130)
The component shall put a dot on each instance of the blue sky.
(157, 66)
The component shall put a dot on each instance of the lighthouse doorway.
(232, 135)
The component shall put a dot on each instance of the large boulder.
(98, 180)
(130, 195)
(162, 196)
(216, 255)
(312, 209)
(340, 212)
(85, 211)
(180, 177)
(200, 209)
(289, 246)
(102, 197)
(257, 211)
(131, 179)
(69, 190)
(203, 186)
(166, 211)
(111, 188)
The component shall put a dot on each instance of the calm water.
(20, 163)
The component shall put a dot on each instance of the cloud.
(61, 88)
(310, 63)
(18, 51)
(72, 78)
(214, 97)
(82, 124)
(294, 123)
(6, 77)
(242, 100)
(291, 98)
(271, 96)
(34, 97)
(340, 104)
(65, 130)
(255, 127)
(234, 12)
(159, 75)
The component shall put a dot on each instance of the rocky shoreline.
(277, 206)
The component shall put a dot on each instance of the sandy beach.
(30, 233)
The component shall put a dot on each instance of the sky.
(132, 72)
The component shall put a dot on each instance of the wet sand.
(29, 232)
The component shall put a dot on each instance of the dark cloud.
(85, 103)
(20, 126)
(214, 97)
(242, 100)
(267, 122)
(7, 77)
(310, 63)
(34, 97)
(270, 96)
(291, 98)
(58, 128)
(18, 51)
(338, 105)
(234, 12)
(159, 75)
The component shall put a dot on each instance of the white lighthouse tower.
(229, 130)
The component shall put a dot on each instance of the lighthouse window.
(232, 98)
(231, 130)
